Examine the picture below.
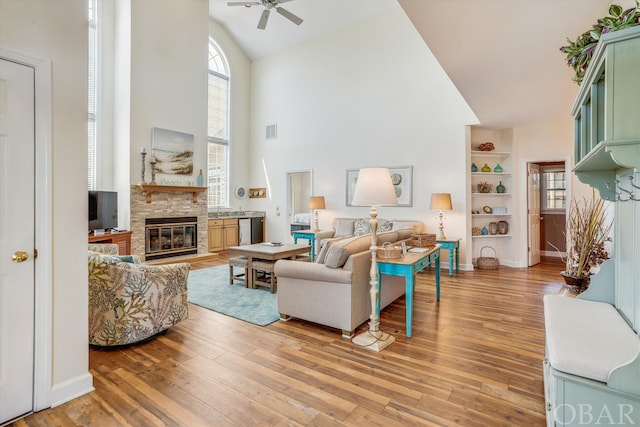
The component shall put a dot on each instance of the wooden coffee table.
(267, 252)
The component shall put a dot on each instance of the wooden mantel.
(149, 189)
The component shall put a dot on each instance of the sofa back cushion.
(343, 227)
(339, 251)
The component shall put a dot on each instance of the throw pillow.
(341, 250)
(362, 226)
(125, 258)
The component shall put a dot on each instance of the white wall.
(169, 54)
(57, 31)
(369, 95)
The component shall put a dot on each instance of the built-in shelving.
(481, 201)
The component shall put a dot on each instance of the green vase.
(498, 168)
(500, 188)
(474, 168)
(486, 168)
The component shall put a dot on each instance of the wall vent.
(272, 131)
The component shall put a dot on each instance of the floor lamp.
(315, 203)
(441, 202)
(374, 187)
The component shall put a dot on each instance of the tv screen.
(103, 210)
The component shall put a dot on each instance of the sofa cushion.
(389, 236)
(581, 335)
(341, 250)
(343, 227)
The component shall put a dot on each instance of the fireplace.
(168, 237)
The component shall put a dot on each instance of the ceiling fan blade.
(290, 16)
(243, 3)
(262, 24)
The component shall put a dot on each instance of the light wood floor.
(475, 359)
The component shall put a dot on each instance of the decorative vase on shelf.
(200, 179)
(474, 168)
(503, 227)
(486, 168)
(498, 168)
(500, 188)
(493, 228)
(484, 231)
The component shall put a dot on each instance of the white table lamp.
(374, 187)
(315, 203)
(441, 202)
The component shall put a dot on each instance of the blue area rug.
(210, 288)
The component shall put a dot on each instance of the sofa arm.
(311, 271)
(325, 234)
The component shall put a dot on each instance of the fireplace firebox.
(168, 237)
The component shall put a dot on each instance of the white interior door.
(533, 212)
(17, 237)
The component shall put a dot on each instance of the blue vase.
(474, 168)
(498, 168)
(200, 179)
(485, 231)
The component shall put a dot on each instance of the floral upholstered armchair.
(129, 301)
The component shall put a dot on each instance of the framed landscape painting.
(401, 177)
(173, 151)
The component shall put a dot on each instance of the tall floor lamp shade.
(315, 203)
(374, 187)
(441, 202)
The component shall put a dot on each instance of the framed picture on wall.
(173, 151)
(401, 178)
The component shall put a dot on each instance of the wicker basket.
(387, 250)
(487, 263)
(423, 240)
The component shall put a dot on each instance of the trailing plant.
(580, 51)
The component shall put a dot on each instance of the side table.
(407, 267)
(309, 235)
(453, 246)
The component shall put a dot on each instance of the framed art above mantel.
(401, 177)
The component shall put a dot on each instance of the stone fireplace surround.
(166, 204)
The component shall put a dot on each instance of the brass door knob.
(19, 256)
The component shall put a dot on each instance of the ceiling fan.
(268, 4)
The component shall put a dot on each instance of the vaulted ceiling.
(502, 55)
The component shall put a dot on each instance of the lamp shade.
(316, 202)
(441, 202)
(374, 187)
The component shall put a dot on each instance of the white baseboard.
(71, 389)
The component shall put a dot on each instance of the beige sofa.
(334, 290)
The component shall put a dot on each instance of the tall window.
(218, 128)
(554, 188)
(91, 160)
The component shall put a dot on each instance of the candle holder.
(153, 172)
(142, 181)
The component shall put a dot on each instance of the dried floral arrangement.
(588, 230)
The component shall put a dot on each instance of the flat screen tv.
(103, 210)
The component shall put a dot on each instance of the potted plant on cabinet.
(580, 51)
(588, 231)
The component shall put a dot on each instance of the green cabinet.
(607, 111)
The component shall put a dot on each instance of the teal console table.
(407, 267)
(453, 246)
(309, 235)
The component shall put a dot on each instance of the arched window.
(218, 128)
